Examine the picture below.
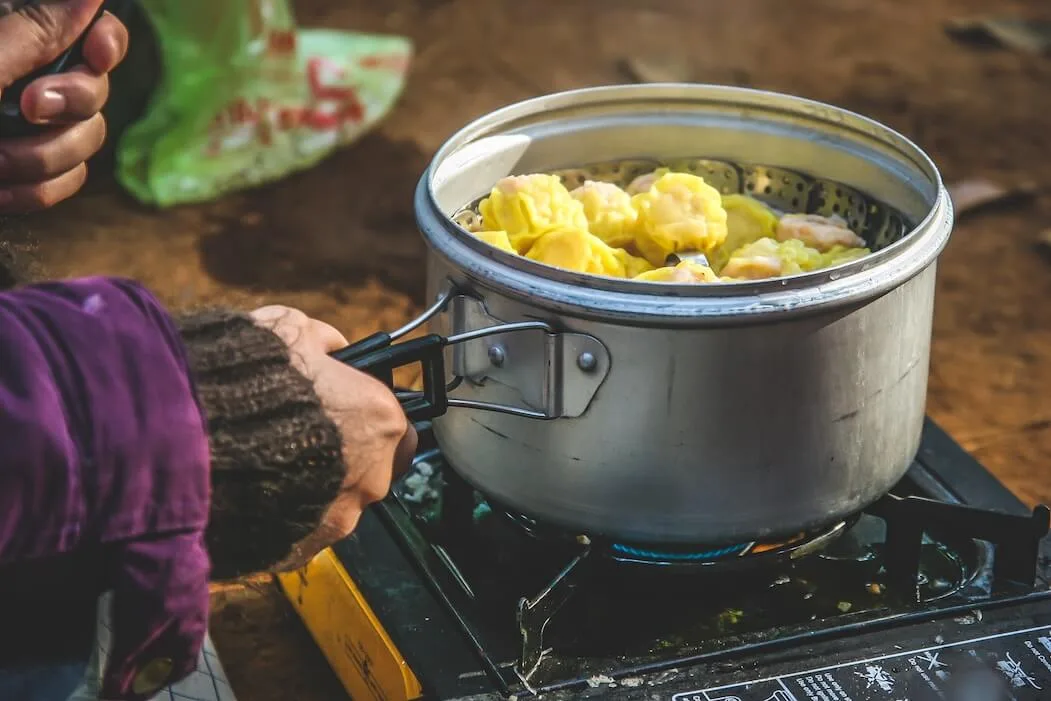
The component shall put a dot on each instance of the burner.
(629, 553)
(754, 553)
(724, 558)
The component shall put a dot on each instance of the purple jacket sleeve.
(103, 446)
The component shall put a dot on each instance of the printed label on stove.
(1009, 666)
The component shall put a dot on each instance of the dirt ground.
(340, 242)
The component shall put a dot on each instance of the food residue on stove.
(599, 680)
(729, 617)
(636, 232)
(418, 487)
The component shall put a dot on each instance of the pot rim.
(605, 297)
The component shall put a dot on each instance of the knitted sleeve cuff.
(277, 458)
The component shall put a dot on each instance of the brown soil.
(339, 241)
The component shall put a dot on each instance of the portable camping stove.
(940, 590)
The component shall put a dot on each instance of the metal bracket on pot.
(555, 373)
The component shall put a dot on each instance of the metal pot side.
(729, 412)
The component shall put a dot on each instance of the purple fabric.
(103, 449)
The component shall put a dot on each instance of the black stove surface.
(940, 588)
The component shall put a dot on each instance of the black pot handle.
(380, 355)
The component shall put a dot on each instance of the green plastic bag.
(248, 97)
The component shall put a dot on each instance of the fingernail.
(119, 48)
(51, 104)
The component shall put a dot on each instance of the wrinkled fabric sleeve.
(167, 578)
(103, 443)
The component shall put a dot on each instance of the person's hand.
(378, 441)
(40, 171)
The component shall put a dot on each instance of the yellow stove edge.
(348, 632)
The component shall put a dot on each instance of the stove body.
(941, 590)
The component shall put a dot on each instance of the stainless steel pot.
(704, 414)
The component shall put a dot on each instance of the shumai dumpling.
(633, 265)
(747, 220)
(644, 182)
(839, 254)
(528, 206)
(680, 214)
(769, 258)
(496, 239)
(685, 272)
(608, 209)
(576, 249)
(818, 232)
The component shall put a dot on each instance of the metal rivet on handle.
(496, 355)
(587, 362)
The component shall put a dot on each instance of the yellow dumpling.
(644, 182)
(841, 254)
(609, 212)
(576, 249)
(816, 231)
(684, 272)
(747, 220)
(768, 257)
(680, 213)
(528, 206)
(633, 265)
(496, 239)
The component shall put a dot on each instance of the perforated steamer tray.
(784, 190)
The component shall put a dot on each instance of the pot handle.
(379, 355)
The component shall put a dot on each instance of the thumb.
(37, 33)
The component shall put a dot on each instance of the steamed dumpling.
(609, 212)
(528, 206)
(747, 221)
(644, 182)
(685, 272)
(576, 249)
(818, 232)
(680, 214)
(633, 265)
(767, 258)
(496, 239)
